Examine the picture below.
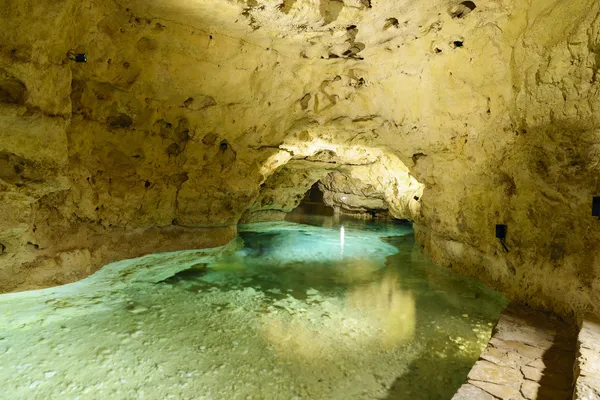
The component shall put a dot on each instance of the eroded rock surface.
(587, 364)
(190, 115)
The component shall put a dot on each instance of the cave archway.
(361, 181)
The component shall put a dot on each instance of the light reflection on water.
(289, 315)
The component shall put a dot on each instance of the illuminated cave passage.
(456, 145)
(355, 180)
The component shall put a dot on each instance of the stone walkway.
(587, 365)
(530, 356)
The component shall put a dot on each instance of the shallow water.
(299, 311)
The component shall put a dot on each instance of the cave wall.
(189, 116)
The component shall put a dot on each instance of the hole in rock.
(391, 23)
(311, 203)
(463, 9)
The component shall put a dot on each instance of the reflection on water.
(380, 310)
(329, 310)
(391, 310)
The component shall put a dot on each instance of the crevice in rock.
(304, 101)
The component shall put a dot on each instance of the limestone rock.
(457, 118)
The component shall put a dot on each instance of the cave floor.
(298, 311)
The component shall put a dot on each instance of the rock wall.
(189, 115)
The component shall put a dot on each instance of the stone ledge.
(84, 251)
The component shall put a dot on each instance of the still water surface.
(324, 310)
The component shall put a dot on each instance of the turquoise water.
(323, 310)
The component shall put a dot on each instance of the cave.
(300, 199)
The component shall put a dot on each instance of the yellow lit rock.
(191, 115)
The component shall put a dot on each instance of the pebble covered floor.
(288, 311)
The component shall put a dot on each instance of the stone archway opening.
(323, 178)
(313, 203)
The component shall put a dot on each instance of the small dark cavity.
(391, 23)
(224, 145)
(417, 156)
(147, 184)
(2, 248)
(457, 44)
(416, 198)
(34, 245)
(469, 4)
(437, 50)
(463, 9)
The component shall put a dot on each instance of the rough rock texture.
(587, 365)
(356, 181)
(184, 109)
(529, 356)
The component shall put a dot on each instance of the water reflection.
(374, 314)
(388, 307)
(288, 315)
